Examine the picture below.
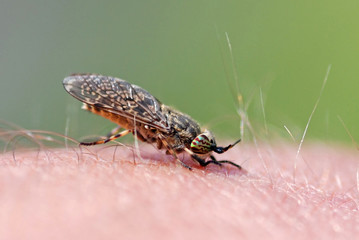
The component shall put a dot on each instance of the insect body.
(141, 114)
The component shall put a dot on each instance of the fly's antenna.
(224, 149)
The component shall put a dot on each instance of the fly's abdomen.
(116, 118)
(109, 96)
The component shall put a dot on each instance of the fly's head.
(205, 143)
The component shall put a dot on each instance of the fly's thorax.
(183, 128)
(146, 133)
(203, 143)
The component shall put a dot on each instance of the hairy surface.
(112, 193)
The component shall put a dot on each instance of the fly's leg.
(108, 139)
(114, 131)
(213, 160)
(173, 153)
(199, 160)
(178, 160)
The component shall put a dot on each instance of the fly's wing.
(117, 96)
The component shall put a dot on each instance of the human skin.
(115, 193)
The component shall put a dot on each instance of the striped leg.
(114, 131)
(108, 139)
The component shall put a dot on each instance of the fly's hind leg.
(109, 138)
(114, 131)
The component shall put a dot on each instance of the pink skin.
(58, 194)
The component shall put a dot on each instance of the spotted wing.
(117, 96)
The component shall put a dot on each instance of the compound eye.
(201, 144)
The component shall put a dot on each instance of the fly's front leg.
(201, 161)
(213, 160)
(108, 139)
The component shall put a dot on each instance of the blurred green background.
(178, 51)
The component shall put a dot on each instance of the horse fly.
(138, 112)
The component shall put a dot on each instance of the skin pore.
(116, 192)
